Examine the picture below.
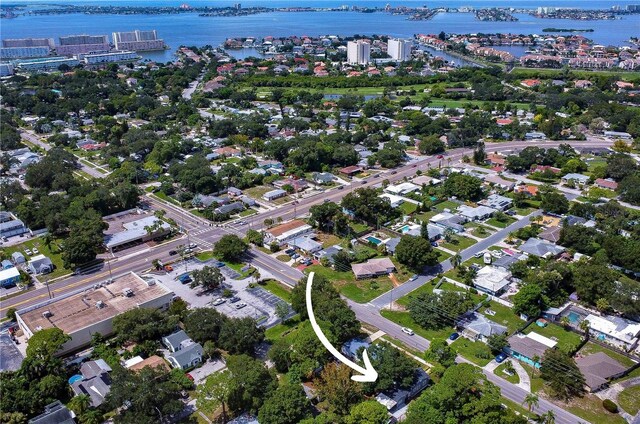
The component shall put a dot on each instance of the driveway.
(200, 374)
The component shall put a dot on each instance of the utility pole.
(46, 283)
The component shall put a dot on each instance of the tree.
(337, 389)
(80, 404)
(252, 383)
(241, 335)
(214, 393)
(464, 187)
(11, 314)
(342, 260)
(440, 352)
(230, 247)
(561, 373)
(431, 145)
(365, 204)
(463, 395)
(497, 342)
(209, 278)
(439, 310)
(629, 188)
(415, 252)
(368, 412)
(456, 260)
(287, 405)
(324, 214)
(620, 166)
(150, 395)
(282, 310)
(479, 154)
(140, 324)
(555, 203)
(594, 281)
(529, 301)
(531, 399)
(204, 324)
(395, 370)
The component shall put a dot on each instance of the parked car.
(241, 305)
(295, 256)
(394, 172)
(187, 280)
(440, 156)
(168, 268)
(510, 213)
(478, 255)
(454, 336)
(220, 264)
(341, 187)
(363, 182)
(218, 301)
(407, 331)
(173, 252)
(28, 252)
(500, 357)
(234, 299)
(35, 251)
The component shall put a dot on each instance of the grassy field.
(425, 288)
(504, 316)
(161, 195)
(278, 289)
(283, 258)
(363, 291)
(404, 319)
(447, 204)
(54, 252)
(248, 212)
(358, 228)
(589, 407)
(494, 222)
(567, 340)
(476, 352)
(425, 216)
(274, 333)
(629, 399)
(500, 372)
(458, 243)
(205, 256)
(408, 208)
(581, 74)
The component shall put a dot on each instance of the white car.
(240, 305)
(218, 301)
(35, 251)
(407, 331)
(28, 252)
(192, 245)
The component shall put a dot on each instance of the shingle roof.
(598, 368)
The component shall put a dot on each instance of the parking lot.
(260, 304)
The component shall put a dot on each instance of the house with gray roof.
(18, 258)
(541, 248)
(95, 382)
(598, 369)
(54, 413)
(477, 213)
(305, 244)
(274, 194)
(177, 341)
(578, 179)
(447, 220)
(13, 227)
(479, 327)
(497, 202)
(322, 177)
(229, 208)
(328, 253)
(40, 264)
(187, 357)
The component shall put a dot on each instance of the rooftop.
(615, 327)
(80, 309)
(542, 248)
(598, 368)
(279, 230)
(492, 279)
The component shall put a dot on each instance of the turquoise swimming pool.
(405, 229)
(374, 240)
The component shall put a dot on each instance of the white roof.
(492, 278)
(12, 272)
(615, 327)
(131, 362)
(542, 339)
(393, 199)
(402, 188)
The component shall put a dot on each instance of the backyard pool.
(574, 317)
(374, 240)
(405, 229)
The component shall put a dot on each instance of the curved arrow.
(369, 374)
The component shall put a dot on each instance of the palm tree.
(565, 322)
(80, 404)
(531, 400)
(549, 417)
(584, 327)
(456, 260)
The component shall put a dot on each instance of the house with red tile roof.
(530, 83)
(610, 184)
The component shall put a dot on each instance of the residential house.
(529, 348)
(578, 179)
(228, 151)
(328, 253)
(618, 135)
(234, 192)
(528, 189)
(598, 369)
(425, 180)
(396, 399)
(500, 182)
(620, 332)
(230, 208)
(351, 170)
(177, 341)
(394, 200)
(495, 159)
(477, 213)
(492, 280)
(154, 361)
(373, 268)
(497, 202)
(6, 264)
(533, 135)
(274, 194)
(40, 264)
(186, 358)
(283, 233)
(205, 200)
(541, 248)
(298, 185)
(447, 220)
(95, 381)
(322, 177)
(402, 189)
(551, 234)
(609, 184)
(305, 244)
(14, 227)
(54, 413)
(479, 327)
(391, 245)
(505, 261)
(9, 277)
(18, 258)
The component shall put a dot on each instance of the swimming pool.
(405, 229)
(574, 317)
(75, 378)
(374, 240)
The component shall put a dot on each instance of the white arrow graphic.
(369, 374)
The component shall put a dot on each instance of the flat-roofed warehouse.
(83, 313)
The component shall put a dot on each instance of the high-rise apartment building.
(28, 42)
(358, 52)
(399, 49)
(82, 44)
(137, 40)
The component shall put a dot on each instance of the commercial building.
(6, 69)
(137, 40)
(45, 64)
(399, 49)
(83, 44)
(138, 231)
(28, 42)
(23, 52)
(11, 228)
(288, 231)
(358, 52)
(85, 312)
(274, 194)
(99, 58)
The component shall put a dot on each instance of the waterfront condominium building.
(110, 57)
(358, 52)
(24, 52)
(28, 42)
(398, 49)
(137, 40)
(82, 44)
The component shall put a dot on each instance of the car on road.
(454, 336)
(173, 252)
(479, 254)
(500, 357)
(415, 165)
(218, 301)
(414, 277)
(363, 182)
(192, 245)
(168, 268)
(326, 201)
(241, 305)
(187, 280)
(341, 187)
(219, 264)
(187, 251)
(234, 299)
(407, 331)
(440, 156)
(241, 222)
(394, 172)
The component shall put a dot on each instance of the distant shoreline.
(566, 30)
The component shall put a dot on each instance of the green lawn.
(248, 212)
(358, 228)
(425, 216)
(524, 211)
(205, 256)
(594, 348)
(161, 195)
(503, 316)
(274, 333)
(425, 288)
(278, 289)
(500, 372)
(283, 258)
(442, 255)
(404, 319)
(447, 204)
(458, 243)
(408, 208)
(482, 231)
(567, 340)
(589, 407)
(366, 290)
(537, 383)
(629, 400)
(476, 352)
(494, 222)
(54, 252)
